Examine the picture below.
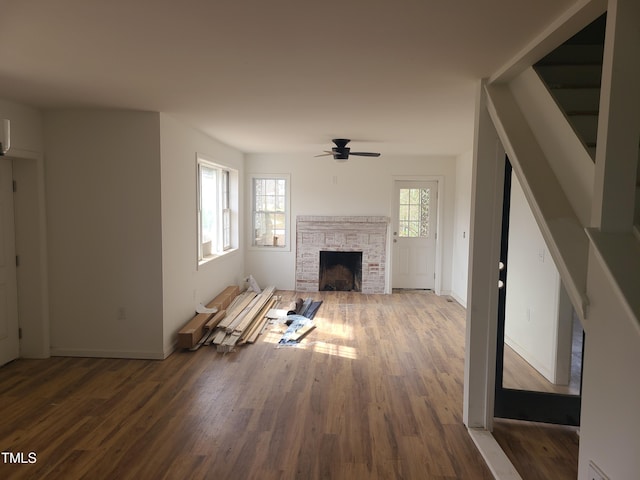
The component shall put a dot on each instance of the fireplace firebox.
(341, 271)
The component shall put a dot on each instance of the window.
(270, 215)
(216, 200)
(414, 212)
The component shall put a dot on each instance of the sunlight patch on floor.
(333, 349)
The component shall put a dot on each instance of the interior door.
(9, 342)
(537, 401)
(414, 234)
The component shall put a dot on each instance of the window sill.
(210, 258)
(269, 248)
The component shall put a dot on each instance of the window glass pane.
(404, 213)
(269, 207)
(226, 229)
(208, 179)
(270, 186)
(258, 186)
(413, 213)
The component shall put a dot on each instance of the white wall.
(184, 284)
(30, 226)
(535, 321)
(610, 420)
(360, 186)
(104, 233)
(462, 223)
(567, 155)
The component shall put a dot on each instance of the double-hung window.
(215, 216)
(270, 215)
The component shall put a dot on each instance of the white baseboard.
(459, 299)
(71, 352)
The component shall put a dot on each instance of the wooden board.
(258, 322)
(263, 298)
(215, 320)
(296, 337)
(246, 299)
(194, 330)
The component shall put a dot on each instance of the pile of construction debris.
(230, 319)
(236, 318)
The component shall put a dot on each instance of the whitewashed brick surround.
(341, 234)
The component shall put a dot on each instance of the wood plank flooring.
(539, 451)
(374, 392)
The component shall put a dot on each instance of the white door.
(414, 234)
(9, 342)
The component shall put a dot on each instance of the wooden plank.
(296, 337)
(205, 340)
(247, 297)
(241, 315)
(254, 335)
(224, 298)
(257, 330)
(264, 297)
(231, 339)
(219, 336)
(215, 320)
(258, 320)
(192, 332)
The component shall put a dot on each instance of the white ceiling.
(396, 76)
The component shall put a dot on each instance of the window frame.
(225, 220)
(286, 247)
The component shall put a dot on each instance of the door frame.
(440, 180)
(10, 342)
(31, 246)
(524, 404)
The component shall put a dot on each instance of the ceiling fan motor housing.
(341, 153)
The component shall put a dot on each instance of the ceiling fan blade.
(365, 154)
(325, 154)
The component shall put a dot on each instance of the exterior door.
(9, 342)
(414, 234)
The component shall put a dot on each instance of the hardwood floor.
(374, 392)
(539, 451)
(519, 375)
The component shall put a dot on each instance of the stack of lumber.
(200, 325)
(244, 320)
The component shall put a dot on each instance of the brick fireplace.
(341, 234)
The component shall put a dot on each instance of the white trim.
(203, 159)
(495, 458)
(288, 225)
(130, 354)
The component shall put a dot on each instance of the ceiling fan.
(342, 152)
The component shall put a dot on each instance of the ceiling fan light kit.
(341, 152)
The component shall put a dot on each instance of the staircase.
(572, 73)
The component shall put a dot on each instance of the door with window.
(9, 342)
(414, 234)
